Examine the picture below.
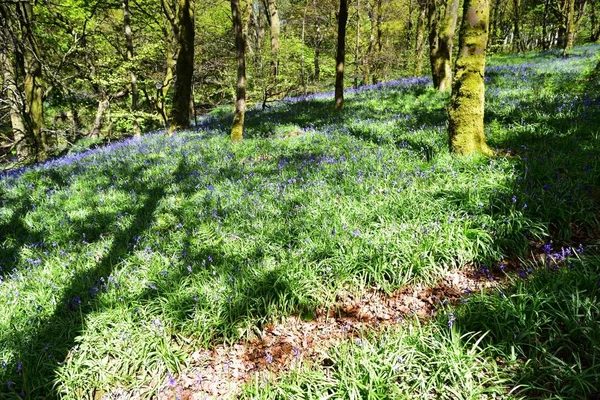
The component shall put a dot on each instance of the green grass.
(118, 262)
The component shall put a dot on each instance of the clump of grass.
(428, 361)
(537, 338)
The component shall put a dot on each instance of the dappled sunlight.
(121, 261)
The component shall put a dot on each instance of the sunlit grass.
(117, 262)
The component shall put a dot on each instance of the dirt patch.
(220, 372)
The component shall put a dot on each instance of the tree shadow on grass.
(546, 329)
(56, 335)
(546, 325)
(16, 235)
(40, 351)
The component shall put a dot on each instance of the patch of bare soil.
(219, 372)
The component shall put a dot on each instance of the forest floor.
(329, 255)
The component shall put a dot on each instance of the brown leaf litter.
(219, 372)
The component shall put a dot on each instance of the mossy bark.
(20, 131)
(316, 64)
(570, 27)
(184, 68)
(275, 30)
(132, 74)
(340, 55)
(420, 39)
(33, 82)
(465, 112)
(103, 106)
(368, 57)
(517, 42)
(237, 129)
(443, 16)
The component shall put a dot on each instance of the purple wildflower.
(170, 380)
(451, 320)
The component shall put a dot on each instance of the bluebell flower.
(170, 380)
(451, 320)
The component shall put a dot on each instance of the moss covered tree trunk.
(184, 68)
(517, 43)
(368, 57)
(33, 83)
(443, 15)
(103, 106)
(316, 63)
(237, 129)
(132, 75)
(465, 112)
(16, 103)
(340, 55)
(545, 41)
(420, 40)
(357, 45)
(570, 27)
(275, 31)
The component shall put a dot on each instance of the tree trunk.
(275, 31)
(33, 84)
(367, 59)
(17, 108)
(302, 60)
(129, 47)
(493, 35)
(595, 25)
(570, 27)
(545, 42)
(73, 117)
(517, 45)
(357, 46)
(237, 129)
(319, 38)
(420, 41)
(465, 112)
(441, 41)
(340, 55)
(184, 68)
(103, 106)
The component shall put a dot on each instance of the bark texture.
(340, 55)
(420, 40)
(16, 107)
(465, 112)
(33, 83)
(184, 68)
(275, 31)
(237, 129)
(570, 27)
(103, 106)
(368, 57)
(132, 75)
(443, 16)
